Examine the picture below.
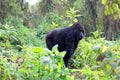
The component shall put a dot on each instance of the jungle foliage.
(23, 52)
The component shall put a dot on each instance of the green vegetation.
(97, 58)
(23, 52)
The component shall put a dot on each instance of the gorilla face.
(79, 31)
(81, 35)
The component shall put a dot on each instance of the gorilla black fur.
(67, 39)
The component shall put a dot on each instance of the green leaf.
(115, 6)
(38, 49)
(0, 33)
(55, 50)
(108, 10)
(104, 1)
(113, 65)
(107, 66)
(96, 48)
(108, 60)
(118, 68)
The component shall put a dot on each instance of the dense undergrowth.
(23, 52)
(23, 55)
(20, 59)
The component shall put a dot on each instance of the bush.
(97, 58)
(33, 63)
(52, 66)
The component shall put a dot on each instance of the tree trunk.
(92, 11)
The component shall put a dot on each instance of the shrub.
(33, 63)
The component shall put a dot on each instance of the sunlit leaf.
(75, 70)
(115, 7)
(38, 49)
(63, 53)
(108, 67)
(0, 33)
(71, 78)
(103, 48)
(101, 73)
(86, 71)
(75, 20)
(104, 1)
(107, 10)
(55, 49)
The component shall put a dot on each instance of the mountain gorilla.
(67, 39)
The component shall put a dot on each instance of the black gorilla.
(67, 39)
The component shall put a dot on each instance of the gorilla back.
(67, 39)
